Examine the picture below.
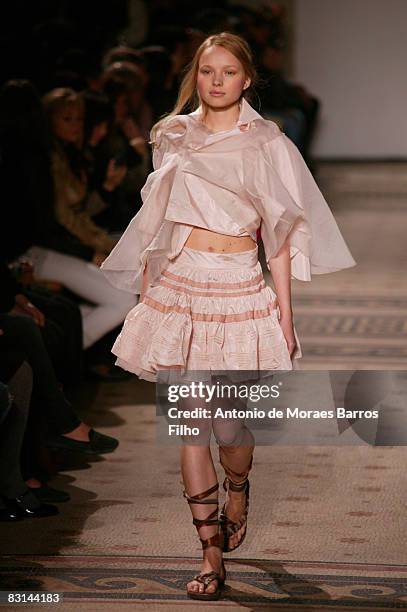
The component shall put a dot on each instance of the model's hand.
(286, 324)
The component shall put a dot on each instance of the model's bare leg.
(236, 445)
(199, 475)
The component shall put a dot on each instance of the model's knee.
(196, 433)
(229, 434)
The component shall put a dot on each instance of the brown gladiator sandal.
(229, 528)
(215, 540)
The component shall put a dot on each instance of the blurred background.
(349, 55)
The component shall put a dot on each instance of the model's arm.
(280, 268)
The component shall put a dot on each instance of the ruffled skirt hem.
(208, 313)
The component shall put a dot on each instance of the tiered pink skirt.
(208, 312)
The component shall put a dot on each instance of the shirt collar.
(246, 116)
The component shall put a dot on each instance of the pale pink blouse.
(231, 182)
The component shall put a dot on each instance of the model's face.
(67, 123)
(221, 78)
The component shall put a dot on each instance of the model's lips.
(216, 93)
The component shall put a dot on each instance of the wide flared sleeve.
(291, 205)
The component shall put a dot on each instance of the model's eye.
(205, 71)
(230, 72)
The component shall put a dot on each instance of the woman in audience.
(52, 420)
(122, 84)
(65, 112)
(64, 109)
(138, 111)
(28, 192)
(104, 176)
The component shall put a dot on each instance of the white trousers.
(110, 305)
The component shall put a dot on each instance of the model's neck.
(220, 119)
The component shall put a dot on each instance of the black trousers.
(12, 433)
(22, 341)
(62, 333)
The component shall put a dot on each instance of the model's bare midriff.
(202, 239)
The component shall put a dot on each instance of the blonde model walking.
(220, 173)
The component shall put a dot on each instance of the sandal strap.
(237, 487)
(214, 540)
(207, 578)
(231, 527)
(199, 498)
(209, 520)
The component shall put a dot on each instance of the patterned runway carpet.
(94, 583)
(327, 524)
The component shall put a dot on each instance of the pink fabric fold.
(232, 182)
(205, 317)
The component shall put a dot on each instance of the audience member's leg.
(25, 333)
(62, 333)
(87, 281)
(12, 433)
(17, 501)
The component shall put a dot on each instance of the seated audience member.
(162, 85)
(125, 140)
(27, 189)
(122, 53)
(17, 499)
(104, 176)
(50, 420)
(22, 334)
(135, 118)
(65, 113)
(289, 103)
(175, 39)
(59, 318)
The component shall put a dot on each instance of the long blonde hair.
(188, 96)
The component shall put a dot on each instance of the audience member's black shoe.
(28, 506)
(49, 494)
(98, 443)
(9, 516)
